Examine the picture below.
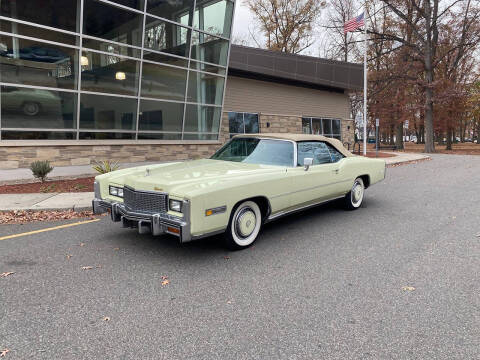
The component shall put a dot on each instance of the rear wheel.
(244, 226)
(31, 108)
(354, 199)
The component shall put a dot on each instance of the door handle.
(335, 171)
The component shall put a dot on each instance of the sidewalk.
(83, 200)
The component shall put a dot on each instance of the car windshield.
(257, 151)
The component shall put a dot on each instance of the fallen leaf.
(69, 256)
(82, 244)
(4, 352)
(106, 318)
(5, 274)
(116, 249)
(87, 267)
(165, 282)
(454, 217)
(98, 266)
(408, 288)
(229, 302)
(226, 257)
(164, 277)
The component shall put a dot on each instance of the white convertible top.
(337, 144)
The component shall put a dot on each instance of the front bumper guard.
(157, 224)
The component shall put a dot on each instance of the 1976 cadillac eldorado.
(251, 180)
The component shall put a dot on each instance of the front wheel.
(354, 198)
(244, 226)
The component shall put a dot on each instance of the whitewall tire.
(354, 198)
(244, 226)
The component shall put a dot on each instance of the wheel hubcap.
(246, 221)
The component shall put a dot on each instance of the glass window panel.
(111, 48)
(251, 123)
(235, 123)
(209, 48)
(207, 67)
(107, 112)
(33, 62)
(205, 88)
(165, 59)
(336, 127)
(306, 126)
(205, 119)
(112, 23)
(37, 108)
(179, 10)
(318, 151)
(58, 14)
(200, 136)
(334, 153)
(166, 37)
(38, 135)
(317, 126)
(163, 82)
(106, 136)
(214, 17)
(109, 74)
(135, 4)
(159, 136)
(160, 116)
(36, 32)
(327, 126)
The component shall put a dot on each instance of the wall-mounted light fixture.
(120, 75)
(84, 61)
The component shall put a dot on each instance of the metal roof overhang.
(296, 70)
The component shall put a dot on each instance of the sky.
(243, 20)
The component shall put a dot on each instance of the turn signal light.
(173, 230)
(208, 212)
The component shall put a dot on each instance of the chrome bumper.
(157, 224)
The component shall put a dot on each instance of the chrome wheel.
(356, 194)
(31, 108)
(246, 223)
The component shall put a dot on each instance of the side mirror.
(307, 162)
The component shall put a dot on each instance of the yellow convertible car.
(251, 180)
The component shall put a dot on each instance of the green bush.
(40, 169)
(106, 166)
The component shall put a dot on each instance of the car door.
(319, 182)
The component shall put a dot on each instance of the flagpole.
(365, 84)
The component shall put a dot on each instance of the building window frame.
(243, 114)
(307, 126)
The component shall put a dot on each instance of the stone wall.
(280, 124)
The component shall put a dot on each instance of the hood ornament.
(147, 172)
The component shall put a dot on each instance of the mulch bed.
(24, 216)
(53, 186)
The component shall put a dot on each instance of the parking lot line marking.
(48, 229)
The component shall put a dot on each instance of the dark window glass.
(204, 119)
(207, 67)
(235, 123)
(165, 59)
(179, 10)
(200, 136)
(109, 74)
(163, 82)
(159, 136)
(112, 23)
(205, 88)
(36, 32)
(135, 4)
(166, 37)
(317, 127)
(111, 48)
(251, 123)
(106, 136)
(37, 135)
(36, 63)
(58, 14)
(37, 108)
(334, 153)
(214, 17)
(336, 127)
(316, 150)
(208, 48)
(160, 116)
(327, 126)
(306, 126)
(107, 112)
(257, 151)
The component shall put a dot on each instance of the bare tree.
(286, 24)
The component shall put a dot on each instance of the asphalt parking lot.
(397, 279)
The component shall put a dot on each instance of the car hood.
(187, 177)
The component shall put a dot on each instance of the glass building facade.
(118, 69)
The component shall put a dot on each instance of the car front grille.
(146, 202)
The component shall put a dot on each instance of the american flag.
(354, 24)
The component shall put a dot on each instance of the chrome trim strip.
(217, 210)
(285, 213)
(308, 189)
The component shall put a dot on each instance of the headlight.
(175, 205)
(116, 191)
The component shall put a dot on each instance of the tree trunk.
(399, 136)
(449, 139)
